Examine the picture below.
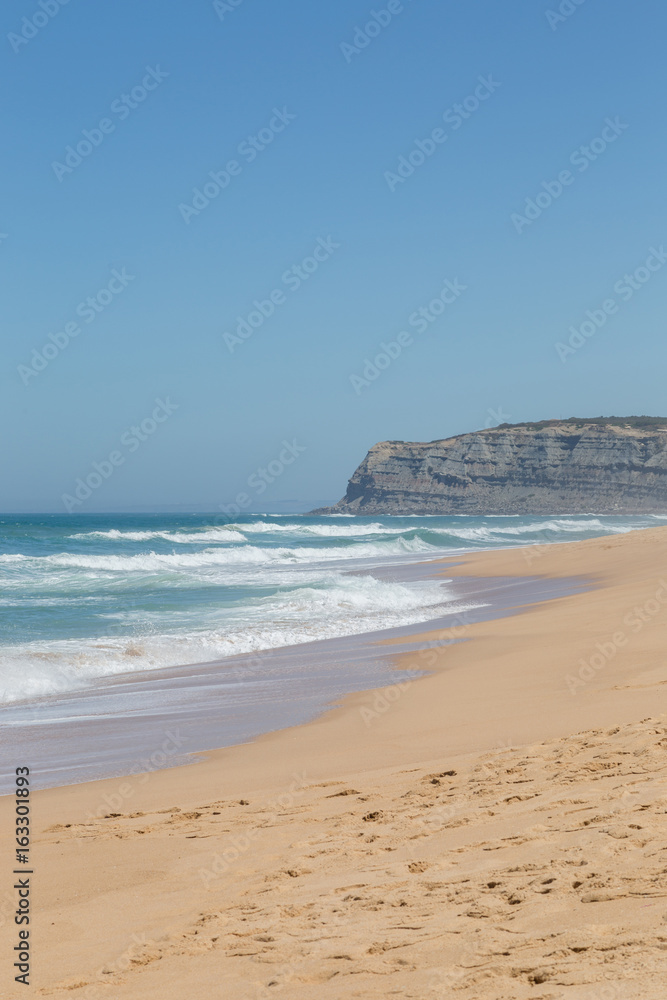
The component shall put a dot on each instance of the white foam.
(156, 562)
(339, 604)
(497, 533)
(180, 538)
(356, 530)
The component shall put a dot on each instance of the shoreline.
(250, 808)
(138, 722)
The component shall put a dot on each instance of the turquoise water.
(87, 597)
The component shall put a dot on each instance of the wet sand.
(494, 829)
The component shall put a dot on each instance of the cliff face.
(554, 468)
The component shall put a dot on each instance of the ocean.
(115, 628)
(98, 595)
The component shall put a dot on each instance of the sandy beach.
(494, 830)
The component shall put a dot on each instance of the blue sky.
(339, 119)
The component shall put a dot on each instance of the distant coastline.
(601, 465)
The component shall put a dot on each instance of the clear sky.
(303, 110)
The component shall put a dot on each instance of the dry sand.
(494, 830)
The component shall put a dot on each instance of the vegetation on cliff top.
(643, 423)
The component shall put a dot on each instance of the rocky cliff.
(604, 465)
